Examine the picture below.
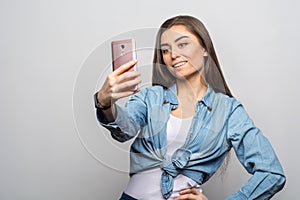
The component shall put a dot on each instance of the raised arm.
(117, 85)
(123, 122)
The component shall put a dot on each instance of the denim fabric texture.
(126, 197)
(219, 124)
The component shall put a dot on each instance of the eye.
(181, 45)
(165, 51)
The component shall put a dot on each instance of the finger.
(137, 90)
(125, 86)
(127, 76)
(191, 197)
(190, 190)
(186, 197)
(124, 68)
(120, 95)
(195, 191)
(186, 191)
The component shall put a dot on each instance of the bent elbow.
(281, 180)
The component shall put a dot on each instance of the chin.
(181, 76)
(186, 76)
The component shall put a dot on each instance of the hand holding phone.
(123, 81)
(123, 51)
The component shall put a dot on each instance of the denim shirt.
(219, 124)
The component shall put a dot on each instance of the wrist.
(98, 104)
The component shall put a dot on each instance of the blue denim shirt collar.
(171, 97)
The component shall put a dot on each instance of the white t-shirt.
(146, 185)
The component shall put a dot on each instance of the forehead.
(171, 34)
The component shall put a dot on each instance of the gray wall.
(54, 55)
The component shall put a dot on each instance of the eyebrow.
(184, 36)
(181, 38)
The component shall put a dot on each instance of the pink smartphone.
(123, 51)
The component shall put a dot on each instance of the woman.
(186, 123)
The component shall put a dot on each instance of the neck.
(191, 90)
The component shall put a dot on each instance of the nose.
(174, 55)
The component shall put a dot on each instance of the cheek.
(192, 52)
(189, 52)
(197, 58)
(167, 59)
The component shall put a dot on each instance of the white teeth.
(179, 64)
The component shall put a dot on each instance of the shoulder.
(223, 99)
(234, 108)
(151, 92)
(225, 105)
(155, 89)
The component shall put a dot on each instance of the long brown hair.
(212, 70)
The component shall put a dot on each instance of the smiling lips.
(179, 64)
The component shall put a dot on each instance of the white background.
(45, 46)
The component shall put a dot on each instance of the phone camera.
(122, 46)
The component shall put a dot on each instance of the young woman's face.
(182, 52)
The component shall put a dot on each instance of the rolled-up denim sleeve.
(128, 120)
(256, 154)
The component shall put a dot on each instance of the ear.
(205, 52)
